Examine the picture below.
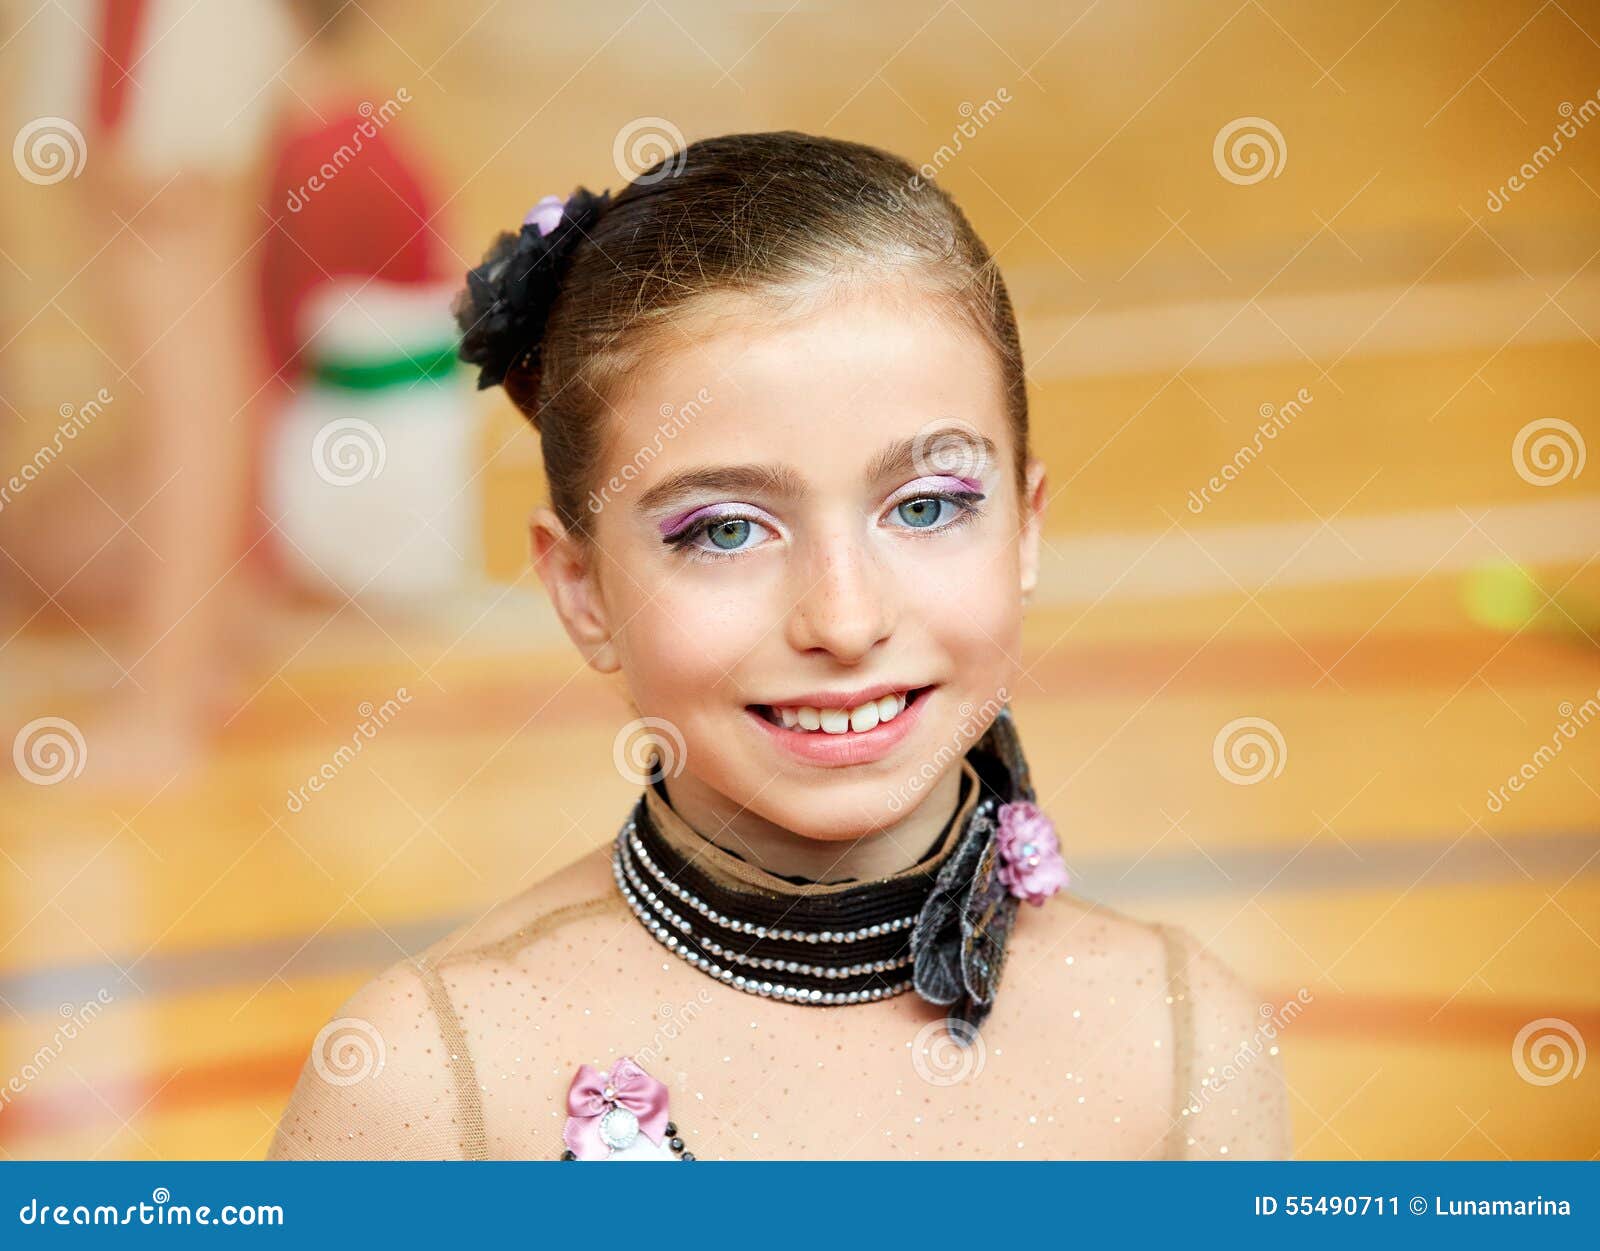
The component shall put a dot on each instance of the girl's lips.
(850, 748)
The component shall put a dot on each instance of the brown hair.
(777, 215)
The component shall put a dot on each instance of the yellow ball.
(1501, 596)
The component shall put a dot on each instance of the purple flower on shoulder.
(1031, 866)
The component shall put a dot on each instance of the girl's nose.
(843, 602)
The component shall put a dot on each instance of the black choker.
(941, 931)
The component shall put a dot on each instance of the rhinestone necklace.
(938, 927)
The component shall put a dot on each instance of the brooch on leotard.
(619, 1113)
(1008, 854)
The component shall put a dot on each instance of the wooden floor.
(1163, 307)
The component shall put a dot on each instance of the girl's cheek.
(692, 629)
(973, 594)
(969, 562)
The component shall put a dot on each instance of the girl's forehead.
(833, 384)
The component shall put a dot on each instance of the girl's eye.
(937, 510)
(718, 538)
(715, 537)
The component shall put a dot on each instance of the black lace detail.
(959, 940)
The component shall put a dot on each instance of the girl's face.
(809, 557)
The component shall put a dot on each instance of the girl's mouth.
(835, 737)
(804, 719)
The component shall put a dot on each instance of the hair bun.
(507, 300)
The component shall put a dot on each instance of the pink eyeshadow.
(943, 480)
(672, 525)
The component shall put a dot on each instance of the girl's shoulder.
(565, 896)
(1079, 940)
(388, 1076)
(1181, 1020)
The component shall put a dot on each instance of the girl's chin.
(844, 826)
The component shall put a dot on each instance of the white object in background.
(371, 474)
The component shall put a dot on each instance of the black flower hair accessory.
(507, 300)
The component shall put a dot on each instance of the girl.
(784, 421)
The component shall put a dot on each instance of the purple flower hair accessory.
(546, 214)
(1031, 866)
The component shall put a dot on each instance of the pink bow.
(593, 1094)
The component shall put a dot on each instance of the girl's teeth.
(843, 720)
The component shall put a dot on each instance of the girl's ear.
(1034, 500)
(566, 570)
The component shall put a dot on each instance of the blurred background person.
(267, 275)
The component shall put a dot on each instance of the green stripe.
(370, 375)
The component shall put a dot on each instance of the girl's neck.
(777, 850)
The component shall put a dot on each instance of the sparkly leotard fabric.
(1112, 1038)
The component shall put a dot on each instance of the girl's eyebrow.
(778, 480)
(898, 458)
